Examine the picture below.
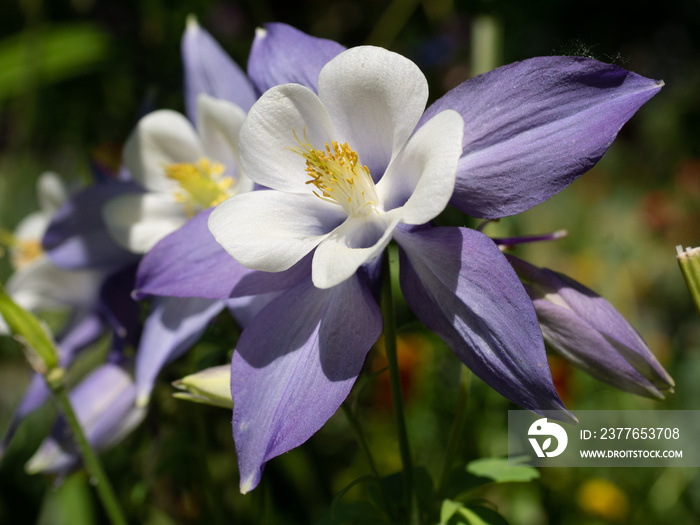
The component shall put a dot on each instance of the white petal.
(161, 138)
(271, 230)
(43, 285)
(219, 124)
(51, 192)
(138, 221)
(422, 177)
(375, 99)
(268, 134)
(32, 227)
(354, 243)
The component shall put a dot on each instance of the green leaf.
(50, 54)
(501, 470)
(490, 470)
(40, 348)
(455, 513)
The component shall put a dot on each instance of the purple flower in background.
(588, 331)
(186, 167)
(96, 300)
(194, 277)
(104, 403)
(529, 128)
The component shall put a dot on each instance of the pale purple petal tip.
(210, 71)
(282, 54)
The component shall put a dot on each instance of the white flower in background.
(36, 283)
(345, 167)
(182, 170)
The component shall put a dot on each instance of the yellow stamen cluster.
(22, 252)
(203, 184)
(338, 176)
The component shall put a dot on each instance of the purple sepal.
(588, 331)
(77, 236)
(282, 54)
(290, 373)
(190, 263)
(104, 405)
(117, 306)
(210, 71)
(532, 127)
(244, 309)
(461, 286)
(173, 325)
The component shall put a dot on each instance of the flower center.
(202, 184)
(22, 252)
(339, 177)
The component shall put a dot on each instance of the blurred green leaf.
(49, 54)
(500, 470)
(41, 350)
(69, 504)
(489, 470)
(455, 513)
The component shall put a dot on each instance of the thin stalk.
(359, 436)
(90, 459)
(689, 261)
(396, 391)
(456, 432)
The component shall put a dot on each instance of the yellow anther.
(23, 252)
(338, 176)
(202, 184)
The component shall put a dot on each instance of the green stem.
(90, 459)
(359, 436)
(456, 432)
(396, 392)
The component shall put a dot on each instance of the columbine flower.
(347, 169)
(37, 283)
(548, 120)
(344, 166)
(187, 268)
(588, 331)
(90, 297)
(184, 171)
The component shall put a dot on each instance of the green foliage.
(455, 513)
(40, 348)
(50, 54)
(488, 470)
(502, 470)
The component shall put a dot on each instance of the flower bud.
(211, 386)
(587, 330)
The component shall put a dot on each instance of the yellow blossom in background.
(603, 498)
